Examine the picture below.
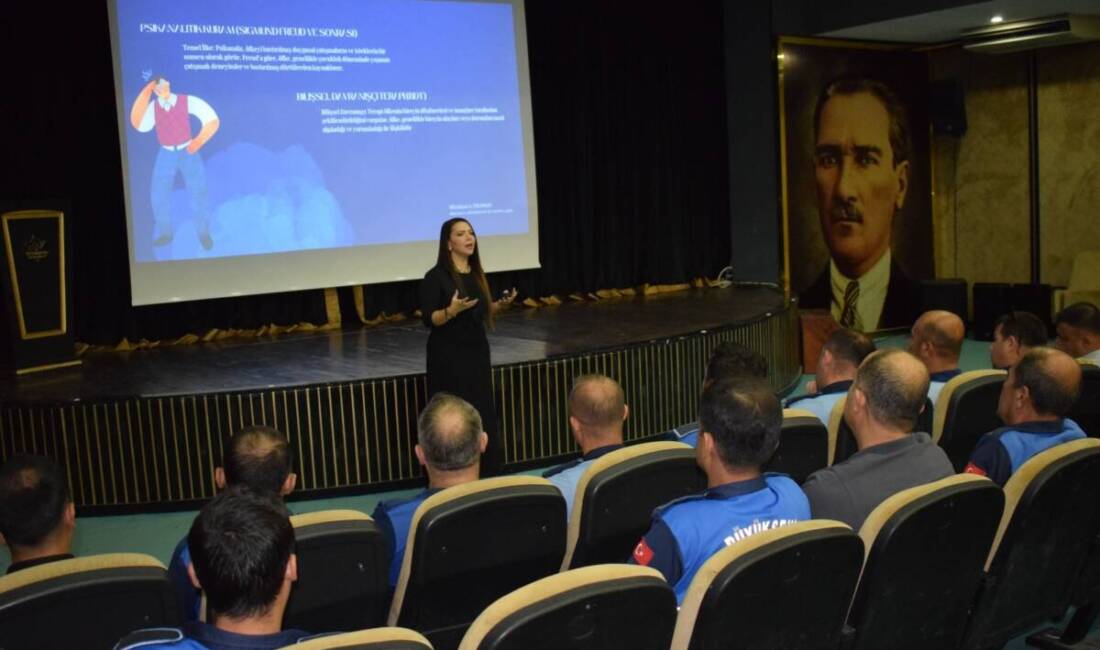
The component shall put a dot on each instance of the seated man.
(840, 356)
(597, 410)
(37, 517)
(1078, 329)
(740, 422)
(242, 550)
(1035, 398)
(256, 457)
(937, 340)
(450, 441)
(883, 406)
(1013, 335)
(728, 360)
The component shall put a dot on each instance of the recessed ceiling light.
(997, 19)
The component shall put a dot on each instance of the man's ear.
(289, 484)
(292, 567)
(482, 442)
(420, 454)
(626, 412)
(902, 172)
(194, 578)
(69, 516)
(219, 478)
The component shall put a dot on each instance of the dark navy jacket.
(394, 517)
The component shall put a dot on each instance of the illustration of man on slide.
(170, 114)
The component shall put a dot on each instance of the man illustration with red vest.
(170, 115)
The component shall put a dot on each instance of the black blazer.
(902, 304)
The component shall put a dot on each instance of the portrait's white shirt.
(872, 293)
(1092, 357)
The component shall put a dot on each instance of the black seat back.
(787, 587)
(342, 569)
(87, 602)
(930, 539)
(602, 606)
(1086, 412)
(471, 544)
(803, 446)
(616, 497)
(965, 411)
(1049, 523)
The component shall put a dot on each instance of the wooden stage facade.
(143, 430)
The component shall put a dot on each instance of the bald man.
(1035, 398)
(597, 411)
(883, 405)
(937, 340)
(450, 441)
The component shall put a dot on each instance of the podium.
(36, 301)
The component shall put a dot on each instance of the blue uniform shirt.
(822, 402)
(394, 518)
(1000, 452)
(937, 380)
(687, 434)
(687, 532)
(188, 599)
(196, 635)
(566, 476)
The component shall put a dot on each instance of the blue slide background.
(276, 183)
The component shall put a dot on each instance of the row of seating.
(956, 563)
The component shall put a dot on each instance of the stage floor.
(521, 335)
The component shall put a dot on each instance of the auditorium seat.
(844, 440)
(471, 544)
(842, 443)
(342, 569)
(926, 549)
(788, 587)
(86, 602)
(616, 496)
(965, 411)
(599, 606)
(1049, 522)
(1086, 412)
(383, 638)
(803, 446)
(1084, 598)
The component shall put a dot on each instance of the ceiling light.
(997, 19)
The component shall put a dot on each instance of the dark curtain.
(630, 141)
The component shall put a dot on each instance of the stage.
(143, 429)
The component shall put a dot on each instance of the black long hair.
(444, 260)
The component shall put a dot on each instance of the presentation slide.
(274, 145)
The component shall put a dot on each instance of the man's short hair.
(33, 496)
(945, 345)
(1049, 395)
(449, 431)
(731, 360)
(599, 409)
(892, 398)
(849, 346)
(257, 457)
(900, 138)
(240, 543)
(744, 417)
(1024, 326)
(1081, 315)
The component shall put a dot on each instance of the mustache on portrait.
(846, 213)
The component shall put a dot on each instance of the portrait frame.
(804, 66)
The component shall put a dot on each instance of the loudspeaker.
(993, 299)
(947, 107)
(948, 294)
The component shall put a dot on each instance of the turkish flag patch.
(971, 468)
(642, 553)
